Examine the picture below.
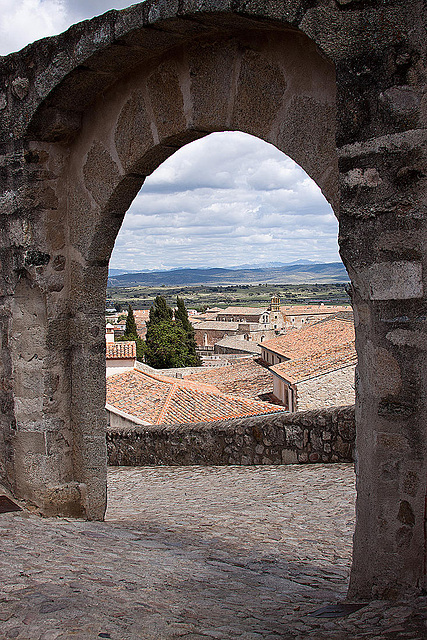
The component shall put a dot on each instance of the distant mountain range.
(261, 265)
(302, 272)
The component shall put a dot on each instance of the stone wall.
(247, 348)
(325, 435)
(213, 335)
(331, 389)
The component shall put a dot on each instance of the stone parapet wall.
(325, 435)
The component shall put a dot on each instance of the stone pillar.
(87, 374)
(7, 417)
(381, 143)
(383, 235)
(40, 444)
(35, 457)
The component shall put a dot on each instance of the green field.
(200, 297)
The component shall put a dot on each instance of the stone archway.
(90, 113)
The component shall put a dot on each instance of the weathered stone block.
(403, 103)
(101, 173)
(395, 281)
(392, 442)
(133, 135)
(259, 78)
(211, 70)
(289, 456)
(167, 101)
(408, 338)
(66, 500)
(31, 442)
(362, 178)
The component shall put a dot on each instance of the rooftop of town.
(311, 309)
(157, 399)
(313, 338)
(237, 343)
(117, 350)
(243, 311)
(316, 364)
(246, 378)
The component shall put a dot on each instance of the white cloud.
(23, 21)
(225, 200)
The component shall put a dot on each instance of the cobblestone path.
(196, 553)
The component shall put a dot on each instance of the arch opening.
(269, 86)
(225, 200)
(161, 187)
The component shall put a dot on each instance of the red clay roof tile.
(245, 378)
(321, 309)
(316, 364)
(312, 338)
(157, 399)
(125, 349)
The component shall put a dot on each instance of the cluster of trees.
(131, 333)
(170, 338)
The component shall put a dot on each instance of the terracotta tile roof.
(245, 378)
(316, 364)
(213, 324)
(313, 338)
(244, 345)
(117, 350)
(156, 399)
(301, 310)
(244, 311)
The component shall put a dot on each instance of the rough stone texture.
(331, 389)
(256, 78)
(212, 72)
(133, 133)
(288, 438)
(345, 99)
(167, 101)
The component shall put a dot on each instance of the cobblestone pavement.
(196, 553)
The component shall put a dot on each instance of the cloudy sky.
(225, 200)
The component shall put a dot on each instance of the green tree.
(159, 311)
(131, 328)
(131, 334)
(170, 342)
(165, 345)
(181, 317)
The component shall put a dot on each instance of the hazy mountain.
(322, 273)
(261, 265)
(269, 265)
(119, 272)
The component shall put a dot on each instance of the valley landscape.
(204, 296)
(307, 272)
(301, 283)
